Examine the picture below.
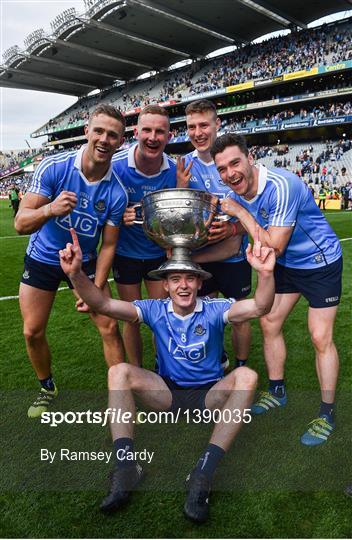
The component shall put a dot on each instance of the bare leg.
(241, 339)
(126, 380)
(108, 328)
(35, 305)
(234, 392)
(131, 331)
(321, 325)
(274, 343)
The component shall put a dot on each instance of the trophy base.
(179, 262)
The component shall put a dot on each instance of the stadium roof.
(121, 39)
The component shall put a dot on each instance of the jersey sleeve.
(44, 179)
(146, 309)
(284, 202)
(120, 199)
(218, 310)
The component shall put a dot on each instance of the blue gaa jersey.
(189, 349)
(99, 203)
(206, 177)
(132, 239)
(283, 200)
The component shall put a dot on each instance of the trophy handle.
(138, 220)
(222, 217)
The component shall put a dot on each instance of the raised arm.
(220, 251)
(35, 210)
(275, 237)
(183, 174)
(71, 263)
(262, 259)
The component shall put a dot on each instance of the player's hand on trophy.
(261, 258)
(219, 230)
(71, 256)
(64, 203)
(183, 173)
(129, 216)
(229, 206)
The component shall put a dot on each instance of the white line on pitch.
(15, 297)
(18, 236)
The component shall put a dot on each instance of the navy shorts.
(49, 276)
(233, 280)
(320, 286)
(187, 398)
(128, 271)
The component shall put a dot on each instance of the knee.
(238, 326)
(321, 338)
(33, 334)
(119, 374)
(270, 325)
(245, 377)
(108, 328)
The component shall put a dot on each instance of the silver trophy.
(179, 219)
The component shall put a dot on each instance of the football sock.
(240, 363)
(48, 383)
(209, 460)
(121, 447)
(328, 411)
(277, 387)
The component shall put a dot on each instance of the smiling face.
(183, 288)
(202, 128)
(105, 135)
(237, 171)
(153, 134)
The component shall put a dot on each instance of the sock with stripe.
(209, 460)
(121, 447)
(277, 387)
(48, 383)
(327, 410)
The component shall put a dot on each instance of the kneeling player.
(179, 323)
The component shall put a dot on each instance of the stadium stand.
(288, 94)
(282, 55)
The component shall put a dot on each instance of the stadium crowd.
(271, 58)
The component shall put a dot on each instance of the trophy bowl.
(178, 219)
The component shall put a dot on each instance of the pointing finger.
(74, 237)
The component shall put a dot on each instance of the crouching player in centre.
(180, 323)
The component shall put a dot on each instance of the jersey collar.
(78, 165)
(196, 155)
(198, 308)
(262, 179)
(132, 162)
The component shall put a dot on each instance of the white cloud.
(24, 111)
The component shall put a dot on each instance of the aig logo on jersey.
(84, 224)
(192, 353)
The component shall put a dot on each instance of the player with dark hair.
(232, 276)
(189, 342)
(72, 189)
(309, 263)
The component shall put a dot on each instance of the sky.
(24, 111)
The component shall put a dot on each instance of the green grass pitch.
(267, 486)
